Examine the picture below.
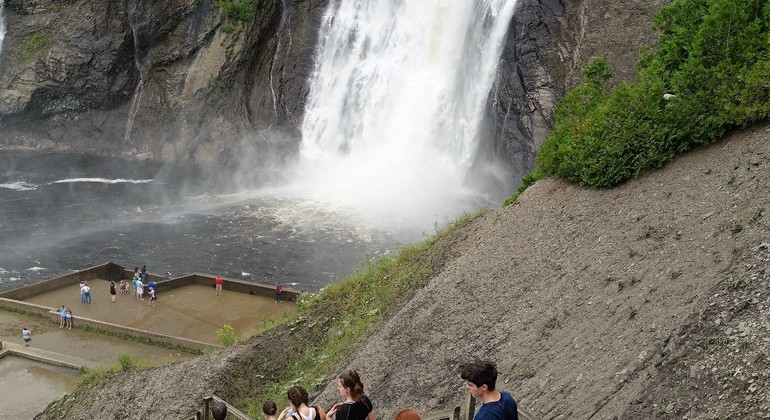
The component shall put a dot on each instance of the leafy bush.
(713, 57)
(241, 10)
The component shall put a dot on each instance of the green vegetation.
(632, 312)
(326, 328)
(526, 371)
(527, 181)
(239, 10)
(710, 73)
(759, 210)
(227, 335)
(125, 361)
(34, 45)
(674, 272)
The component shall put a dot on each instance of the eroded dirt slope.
(583, 296)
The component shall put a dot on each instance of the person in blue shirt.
(480, 378)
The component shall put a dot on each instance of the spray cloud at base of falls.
(392, 122)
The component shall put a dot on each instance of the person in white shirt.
(140, 290)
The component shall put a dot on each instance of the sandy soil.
(582, 297)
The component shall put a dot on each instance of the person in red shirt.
(278, 292)
(218, 282)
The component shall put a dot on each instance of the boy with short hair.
(480, 378)
(219, 410)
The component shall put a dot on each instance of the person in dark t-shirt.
(356, 406)
(480, 378)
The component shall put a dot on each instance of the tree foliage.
(713, 57)
(239, 10)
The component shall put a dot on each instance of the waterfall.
(397, 95)
(2, 24)
(139, 88)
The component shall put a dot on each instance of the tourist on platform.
(123, 286)
(151, 293)
(87, 292)
(26, 335)
(143, 276)
(407, 414)
(219, 410)
(299, 409)
(218, 282)
(82, 292)
(113, 292)
(153, 286)
(139, 290)
(134, 282)
(69, 319)
(480, 378)
(269, 409)
(167, 276)
(63, 315)
(356, 405)
(278, 292)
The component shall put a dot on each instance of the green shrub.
(125, 360)
(240, 10)
(713, 57)
(227, 335)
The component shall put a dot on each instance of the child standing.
(69, 319)
(26, 335)
(152, 298)
(113, 292)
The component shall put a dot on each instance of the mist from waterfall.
(397, 96)
(2, 25)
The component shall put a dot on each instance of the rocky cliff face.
(136, 79)
(181, 82)
(548, 44)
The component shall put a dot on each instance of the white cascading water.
(397, 96)
(2, 25)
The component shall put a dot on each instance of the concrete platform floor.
(98, 348)
(193, 312)
(28, 386)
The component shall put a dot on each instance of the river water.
(62, 212)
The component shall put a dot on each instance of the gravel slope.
(576, 293)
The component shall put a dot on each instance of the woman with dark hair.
(356, 406)
(299, 409)
(269, 409)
